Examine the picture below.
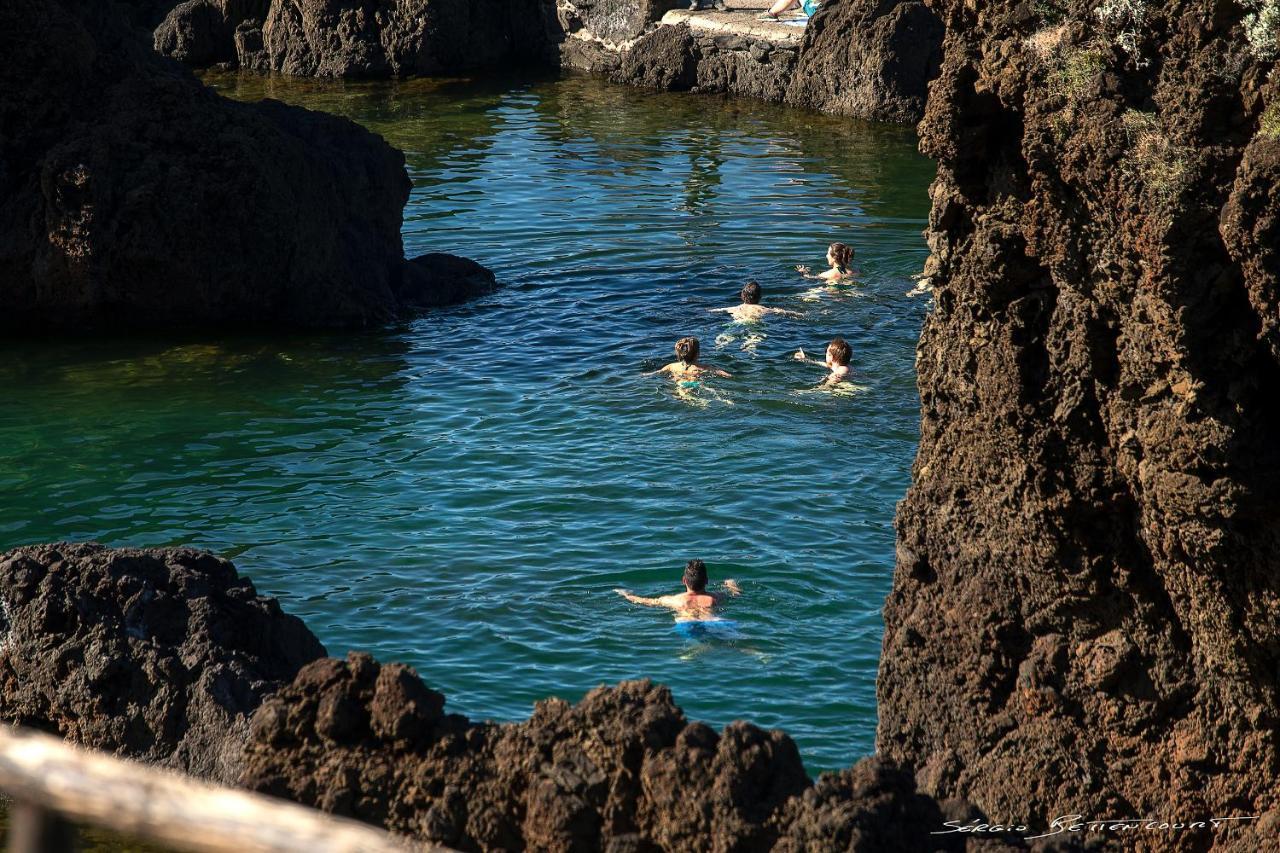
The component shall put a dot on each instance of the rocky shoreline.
(860, 58)
(169, 656)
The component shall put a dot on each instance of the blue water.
(464, 492)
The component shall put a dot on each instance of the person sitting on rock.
(840, 257)
(687, 371)
(751, 311)
(839, 354)
(695, 602)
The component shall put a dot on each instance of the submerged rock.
(131, 196)
(437, 279)
(158, 654)
(1084, 616)
(622, 770)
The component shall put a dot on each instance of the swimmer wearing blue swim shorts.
(687, 372)
(695, 604)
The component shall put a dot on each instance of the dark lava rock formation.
(1085, 616)
(620, 771)
(869, 59)
(131, 196)
(358, 38)
(160, 654)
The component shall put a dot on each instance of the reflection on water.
(464, 492)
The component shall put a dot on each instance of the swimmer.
(695, 602)
(687, 371)
(840, 257)
(839, 354)
(751, 310)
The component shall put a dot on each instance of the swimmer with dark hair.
(839, 354)
(840, 257)
(751, 311)
(687, 370)
(695, 602)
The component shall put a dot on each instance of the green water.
(463, 493)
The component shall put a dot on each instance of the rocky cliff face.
(621, 771)
(158, 654)
(358, 38)
(868, 59)
(131, 196)
(1085, 616)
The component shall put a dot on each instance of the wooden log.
(170, 809)
(33, 829)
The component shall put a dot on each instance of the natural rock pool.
(464, 492)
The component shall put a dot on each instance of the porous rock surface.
(622, 770)
(869, 59)
(1085, 616)
(131, 196)
(159, 654)
(359, 38)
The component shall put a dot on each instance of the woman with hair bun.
(840, 257)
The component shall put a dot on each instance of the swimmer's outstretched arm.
(661, 370)
(640, 599)
(784, 312)
(800, 356)
(717, 371)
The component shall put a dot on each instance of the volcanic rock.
(359, 38)
(157, 654)
(1085, 616)
(621, 771)
(868, 58)
(132, 196)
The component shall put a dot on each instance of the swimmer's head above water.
(751, 293)
(687, 366)
(687, 350)
(695, 576)
(695, 602)
(840, 256)
(839, 353)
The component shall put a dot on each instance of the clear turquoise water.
(463, 493)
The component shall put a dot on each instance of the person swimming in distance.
(751, 310)
(840, 257)
(687, 371)
(695, 602)
(839, 354)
